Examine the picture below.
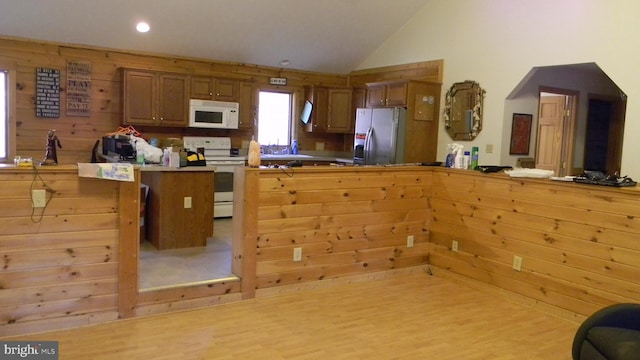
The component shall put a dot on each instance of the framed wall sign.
(520, 134)
(277, 81)
(47, 93)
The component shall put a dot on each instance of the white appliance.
(213, 114)
(380, 136)
(217, 152)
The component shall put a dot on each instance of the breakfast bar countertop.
(149, 168)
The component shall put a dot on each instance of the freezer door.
(362, 127)
(382, 142)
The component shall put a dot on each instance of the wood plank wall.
(580, 244)
(78, 134)
(60, 263)
(346, 221)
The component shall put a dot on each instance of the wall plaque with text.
(47, 93)
(78, 88)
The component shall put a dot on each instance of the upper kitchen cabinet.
(154, 98)
(209, 88)
(339, 117)
(332, 110)
(248, 105)
(387, 94)
(319, 97)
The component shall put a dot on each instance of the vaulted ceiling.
(330, 36)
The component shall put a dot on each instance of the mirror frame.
(469, 88)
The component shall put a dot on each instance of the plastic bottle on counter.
(294, 147)
(465, 160)
(474, 157)
(183, 157)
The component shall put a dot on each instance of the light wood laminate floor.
(413, 316)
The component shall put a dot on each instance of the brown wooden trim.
(129, 210)
(245, 228)
(431, 71)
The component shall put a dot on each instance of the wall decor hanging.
(47, 93)
(520, 134)
(78, 88)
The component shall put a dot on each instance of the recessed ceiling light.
(143, 27)
(285, 62)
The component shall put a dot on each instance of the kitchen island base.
(179, 207)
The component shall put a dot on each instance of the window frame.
(11, 99)
(294, 112)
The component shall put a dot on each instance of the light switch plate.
(187, 202)
(297, 254)
(489, 149)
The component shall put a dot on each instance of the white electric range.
(217, 152)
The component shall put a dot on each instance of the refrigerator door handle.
(367, 146)
(394, 136)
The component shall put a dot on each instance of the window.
(274, 112)
(3, 115)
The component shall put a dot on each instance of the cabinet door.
(339, 115)
(139, 93)
(226, 90)
(202, 88)
(320, 100)
(173, 100)
(376, 96)
(248, 109)
(396, 94)
(208, 88)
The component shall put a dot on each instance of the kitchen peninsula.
(78, 263)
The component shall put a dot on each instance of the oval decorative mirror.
(463, 110)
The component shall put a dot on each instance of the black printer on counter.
(118, 145)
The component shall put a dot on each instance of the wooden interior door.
(550, 133)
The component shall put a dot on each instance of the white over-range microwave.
(213, 114)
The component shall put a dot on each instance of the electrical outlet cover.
(410, 240)
(39, 198)
(517, 263)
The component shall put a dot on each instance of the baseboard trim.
(321, 284)
(509, 295)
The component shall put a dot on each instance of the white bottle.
(459, 161)
(466, 160)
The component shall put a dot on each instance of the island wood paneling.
(580, 244)
(60, 263)
(77, 265)
(347, 222)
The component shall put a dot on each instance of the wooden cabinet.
(358, 100)
(209, 88)
(387, 94)
(332, 109)
(339, 116)
(179, 207)
(319, 97)
(154, 98)
(248, 105)
(423, 104)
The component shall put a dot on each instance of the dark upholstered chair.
(611, 333)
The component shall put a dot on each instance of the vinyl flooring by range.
(165, 268)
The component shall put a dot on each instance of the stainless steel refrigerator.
(379, 136)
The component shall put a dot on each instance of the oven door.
(223, 189)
